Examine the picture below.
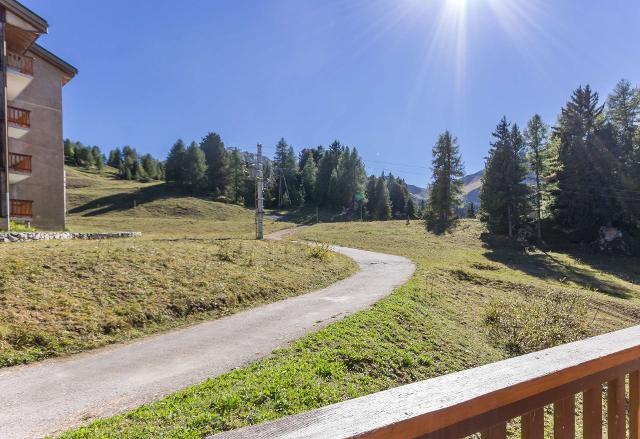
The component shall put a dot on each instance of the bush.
(21, 227)
(320, 251)
(534, 323)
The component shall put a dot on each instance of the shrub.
(320, 251)
(21, 227)
(533, 323)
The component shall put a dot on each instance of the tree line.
(129, 164)
(332, 178)
(577, 176)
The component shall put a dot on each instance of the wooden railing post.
(496, 432)
(634, 405)
(532, 424)
(592, 413)
(616, 409)
(564, 418)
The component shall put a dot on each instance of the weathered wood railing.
(22, 64)
(19, 162)
(19, 117)
(21, 208)
(483, 399)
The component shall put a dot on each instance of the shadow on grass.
(125, 200)
(545, 266)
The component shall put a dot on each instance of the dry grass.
(196, 263)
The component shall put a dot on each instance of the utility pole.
(259, 198)
(4, 136)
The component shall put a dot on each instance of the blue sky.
(385, 76)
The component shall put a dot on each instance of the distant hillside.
(92, 193)
(471, 189)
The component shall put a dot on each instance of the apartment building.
(31, 140)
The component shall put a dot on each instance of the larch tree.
(537, 140)
(445, 190)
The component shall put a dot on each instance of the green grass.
(433, 325)
(196, 261)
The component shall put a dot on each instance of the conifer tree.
(411, 209)
(446, 187)
(238, 174)
(115, 158)
(195, 168)
(503, 195)
(372, 196)
(383, 202)
(217, 163)
(309, 173)
(536, 140)
(175, 163)
(586, 193)
(623, 113)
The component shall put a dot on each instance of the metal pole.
(260, 199)
(4, 135)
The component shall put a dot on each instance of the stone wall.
(47, 236)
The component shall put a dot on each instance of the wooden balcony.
(21, 209)
(19, 121)
(20, 63)
(19, 162)
(19, 74)
(484, 399)
(19, 167)
(19, 117)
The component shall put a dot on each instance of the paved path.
(54, 395)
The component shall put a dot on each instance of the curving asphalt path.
(54, 395)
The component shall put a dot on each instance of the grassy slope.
(192, 264)
(431, 326)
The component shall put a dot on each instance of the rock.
(46, 236)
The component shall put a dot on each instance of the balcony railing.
(19, 162)
(21, 208)
(22, 64)
(18, 116)
(482, 400)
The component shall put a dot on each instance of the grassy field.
(196, 261)
(433, 325)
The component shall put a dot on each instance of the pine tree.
(411, 209)
(537, 140)
(195, 168)
(586, 192)
(175, 163)
(115, 158)
(308, 174)
(238, 174)
(371, 196)
(446, 187)
(623, 113)
(217, 163)
(503, 195)
(326, 165)
(399, 194)
(383, 202)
